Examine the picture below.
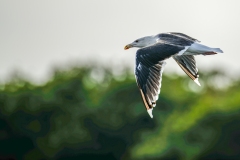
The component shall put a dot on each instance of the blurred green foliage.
(92, 113)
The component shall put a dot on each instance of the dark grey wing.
(149, 68)
(188, 65)
(184, 36)
(175, 39)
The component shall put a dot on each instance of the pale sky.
(35, 36)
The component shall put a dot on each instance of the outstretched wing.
(148, 71)
(188, 65)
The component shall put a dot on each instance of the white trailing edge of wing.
(150, 112)
(196, 81)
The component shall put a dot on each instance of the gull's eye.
(136, 41)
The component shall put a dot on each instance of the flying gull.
(150, 61)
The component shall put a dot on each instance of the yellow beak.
(127, 46)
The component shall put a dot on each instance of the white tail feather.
(200, 48)
(218, 50)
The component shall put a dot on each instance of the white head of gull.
(142, 42)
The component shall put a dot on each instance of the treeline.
(91, 113)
